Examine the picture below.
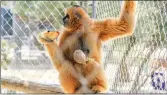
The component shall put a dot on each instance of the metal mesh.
(129, 62)
(21, 22)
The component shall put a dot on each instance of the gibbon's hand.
(47, 37)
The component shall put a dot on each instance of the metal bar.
(93, 9)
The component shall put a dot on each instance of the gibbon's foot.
(97, 89)
(47, 37)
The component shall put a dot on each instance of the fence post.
(93, 9)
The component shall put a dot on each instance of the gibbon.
(83, 36)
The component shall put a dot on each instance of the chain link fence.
(130, 63)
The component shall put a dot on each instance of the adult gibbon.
(85, 34)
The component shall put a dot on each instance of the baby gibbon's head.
(74, 17)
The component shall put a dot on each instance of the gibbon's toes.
(96, 89)
(47, 37)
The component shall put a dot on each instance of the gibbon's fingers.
(128, 17)
(47, 37)
(128, 11)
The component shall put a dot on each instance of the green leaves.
(50, 11)
(7, 51)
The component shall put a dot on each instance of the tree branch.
(29, 87)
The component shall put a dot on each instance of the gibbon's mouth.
(65, 24)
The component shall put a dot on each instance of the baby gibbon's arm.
(117, 27)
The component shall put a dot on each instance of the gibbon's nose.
(65, 19)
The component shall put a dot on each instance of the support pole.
(94, 9)
(29, 87)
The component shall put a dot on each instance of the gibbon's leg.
(96, 76)
(117, 27)
(55, 54)
(69, 78)
(99, 84)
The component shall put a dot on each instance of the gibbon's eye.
(78, 15)
(65, 19)
(87, 50)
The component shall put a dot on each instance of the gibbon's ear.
(78, 15)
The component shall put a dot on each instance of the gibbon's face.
(74, 16)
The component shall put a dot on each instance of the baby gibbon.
(83, 33)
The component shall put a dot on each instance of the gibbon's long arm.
(52, 48)
(55, 54)
(122, 26)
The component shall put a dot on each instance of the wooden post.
(29, 87)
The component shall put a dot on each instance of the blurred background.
(135, 64)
